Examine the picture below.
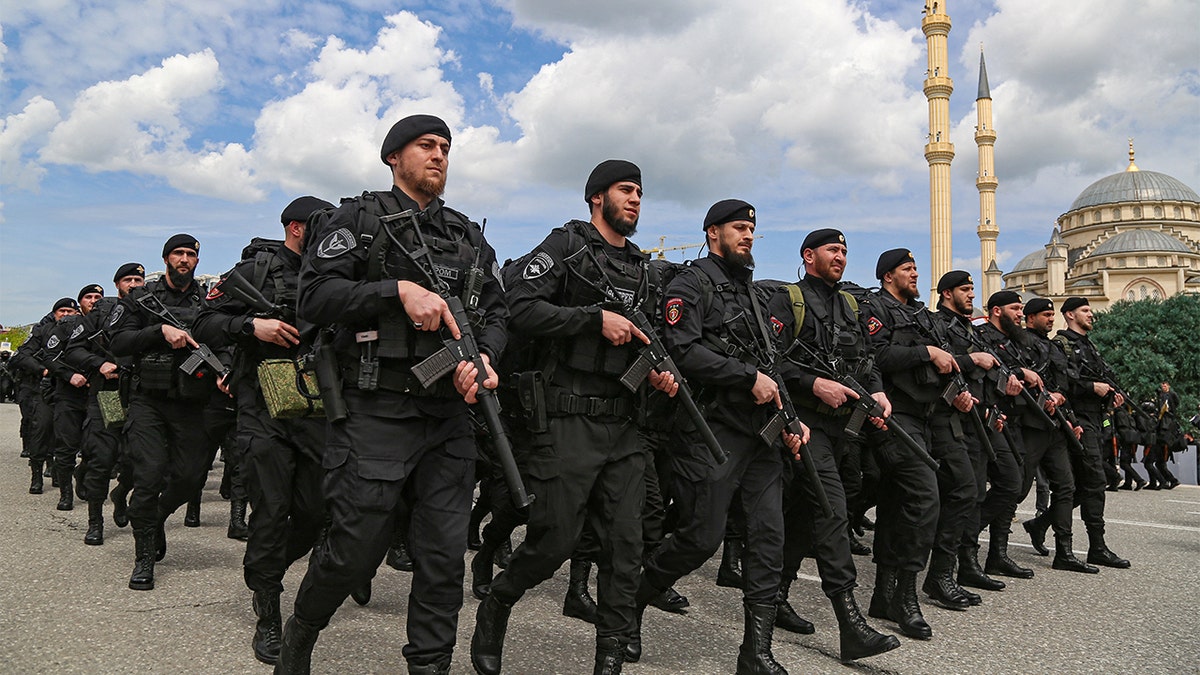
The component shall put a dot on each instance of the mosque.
(1129, 236)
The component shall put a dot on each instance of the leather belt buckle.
(366, 336)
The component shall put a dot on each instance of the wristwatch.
(248, 326)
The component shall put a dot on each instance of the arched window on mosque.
(1116, 214)
(1178, 213)
(1158, 212)
(1141, 261)
(1096, 216)
(1137, 212)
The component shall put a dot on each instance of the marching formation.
(365, 372)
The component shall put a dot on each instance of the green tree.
(1149, 341)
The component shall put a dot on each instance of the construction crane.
(662, 247)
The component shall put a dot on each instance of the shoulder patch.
(117, 313)
(52, 342)
(77, 332)
(874, 325)
(538, 265)
(496, 274)
(214, 293)
(336, 243)
(776, 325)
(674, 311)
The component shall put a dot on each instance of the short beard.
(907, 294)
(730, 254)
(430, 187)
(620, 224)
(180, 281)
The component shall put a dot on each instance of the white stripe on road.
(1161, 526)
(1179, 501)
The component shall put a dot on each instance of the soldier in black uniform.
(1047, 447)
(70, 394)
(1092, 399)
(1169, 438)
(915, 369)
(282, 460)
(87, 352)
(831, 331)
(589, 463)
(165, 448)
(30, 359)
(717, 332)
(956, 291)
(400, 440)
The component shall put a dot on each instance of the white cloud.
(138, 125)
(23, 129)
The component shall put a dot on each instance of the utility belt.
(560, 403)
(387, 377)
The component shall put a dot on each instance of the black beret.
(608, 172)
(953, 279)
(129, 270)
(90, 288)
(1072, 304)
(818, 238)
(410, 128)
(181, 241)
(1002, 298)
(727, 211)
(890, 260)
(66, 302)
(1038, 305)
(301, 208)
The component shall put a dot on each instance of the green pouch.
(281, 381)
(111, 410)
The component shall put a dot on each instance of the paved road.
(64, 607)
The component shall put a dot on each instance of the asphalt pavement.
(65, 607)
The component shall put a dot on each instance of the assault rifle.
(239, 288)
(786, 419)
(200, 356)
(465, 348)
(864, 406)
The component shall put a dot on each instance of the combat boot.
(998, 561)
(578, 603)
(77, 474)
(1036, 527)
(487, 643)
(1098, 553)
(645, 592)
(397, 556)
(939, 583)
(858, 639)
(905, 609)
(120, 505)
(971, 574)
(754, 656)
(237, 520)
(142, 578)
(36, 483)
(66, 494)
(786, 617)
(440, 668)
(160, 538)
(671, 601)
(1064, 557)
(729, 574)
(885, 588)
(857, 547)
(295, 649)
(362, 593)
(267, 629)
(191, 518)
(503, 554)
(610, 654)
(51, 472)
(481, 571)
(95, 532)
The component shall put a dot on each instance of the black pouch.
(156, 371)
(193, 387)
(531, 390)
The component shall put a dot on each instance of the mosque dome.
(1033, 261)
(1140, 241)
(1134, 186)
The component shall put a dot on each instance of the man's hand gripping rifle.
(201, 354)
(865, 405)
(456, 351)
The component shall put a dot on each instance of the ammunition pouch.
(112, 410)
(193, 387)
(156, 371)
(288, 389)
(531, 393)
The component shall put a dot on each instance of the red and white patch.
(674, 311)
(214, 293)
(874, 325)
(776, 325)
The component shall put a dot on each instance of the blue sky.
(125, 122)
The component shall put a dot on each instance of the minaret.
(985, 139)
(939, 151)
